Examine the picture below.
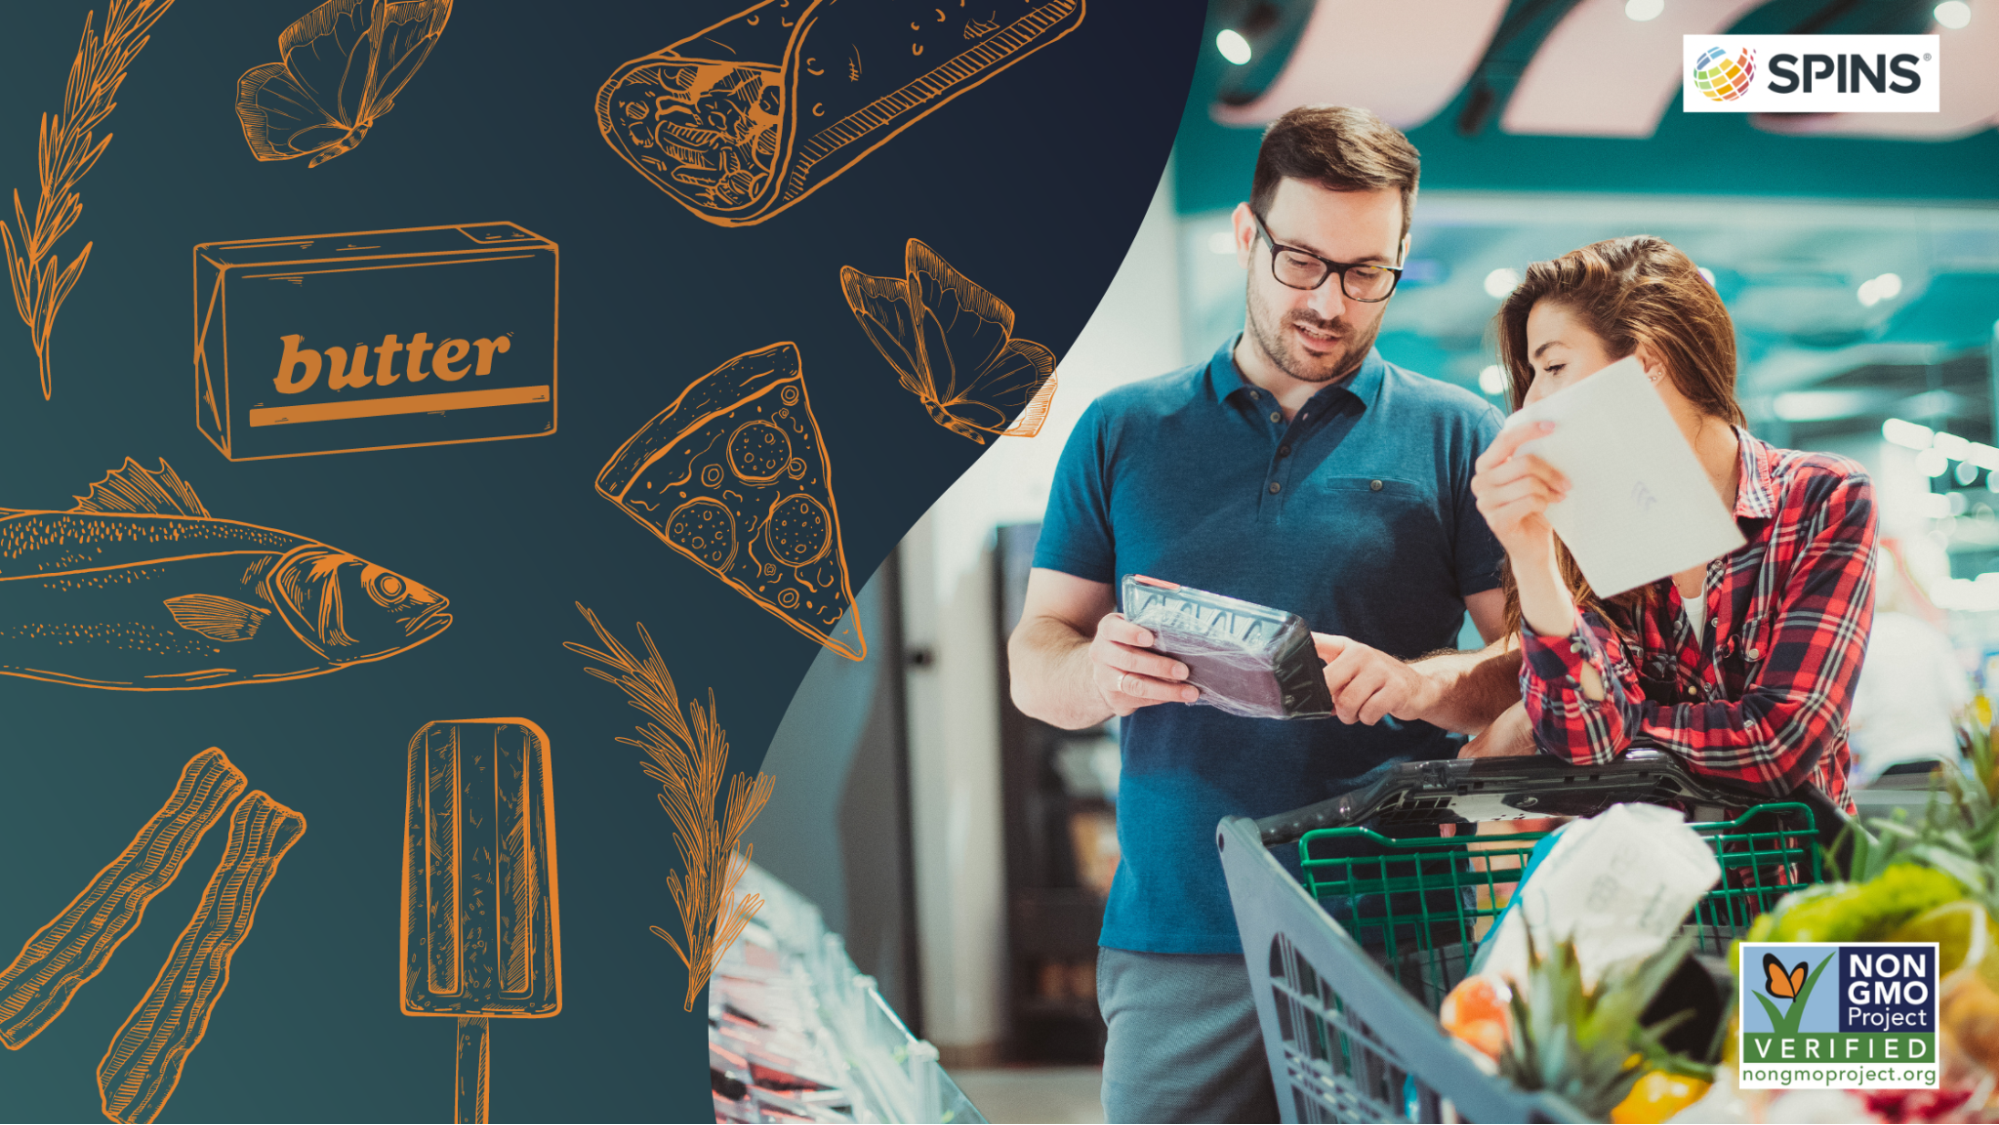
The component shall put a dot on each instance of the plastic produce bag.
(1247, 659)
(1619, 884)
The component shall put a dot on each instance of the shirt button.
(1254, 395)
(1276, 417)
(1274, 486)
(1374, 486)
(1692, 690)
(1284, 451)
(1753, 654)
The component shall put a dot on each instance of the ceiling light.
(1818, 406)
(1707, 274)
(1877, 289)
(1233, 46)
(1501, 281)
(1952, 14)
(1932, 463)
(1222, 242)
(1958, 502)
(1966, 473)
(1951, 446)
(1983, 455)
(1935, 505)
(1906, 434)
(1644, 10)
(1492, 380)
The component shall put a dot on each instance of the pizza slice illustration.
(735, 476)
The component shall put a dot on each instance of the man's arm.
(1459, 691)
(1074, 662)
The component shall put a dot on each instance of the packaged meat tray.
(1247, 659)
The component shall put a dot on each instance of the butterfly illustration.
(953, 344)
(339, 70)
(1781, 984)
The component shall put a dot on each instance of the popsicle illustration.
(481, 932)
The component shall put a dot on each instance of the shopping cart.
(1348, 1006)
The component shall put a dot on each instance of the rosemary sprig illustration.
(687, 755)
(68, 148)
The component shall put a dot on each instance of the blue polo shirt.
(1357, 515)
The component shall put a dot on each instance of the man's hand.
(1130, 677)
(1511, 735)
(1367, 683)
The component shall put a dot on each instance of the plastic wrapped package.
(1247, 659)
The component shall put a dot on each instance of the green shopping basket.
(1351, 963)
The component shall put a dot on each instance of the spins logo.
(1859, 1015)
(1810, 74)
(1721, 78)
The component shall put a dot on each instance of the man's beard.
(1273, 337)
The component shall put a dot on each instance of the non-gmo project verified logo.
(1859, 1015)
(1810, 74)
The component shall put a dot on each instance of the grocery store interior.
(1858, 255)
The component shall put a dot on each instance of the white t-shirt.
(1696, 611)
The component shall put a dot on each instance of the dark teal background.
(1031, 184)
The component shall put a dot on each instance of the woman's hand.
(1514, 490)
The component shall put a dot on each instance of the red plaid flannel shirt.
(1763, 701)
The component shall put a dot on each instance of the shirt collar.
(1756, 495)
(1225, 378)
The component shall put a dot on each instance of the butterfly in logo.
(340, 68)
(1781, 984)
(953, 344)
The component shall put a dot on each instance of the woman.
(1744, 667)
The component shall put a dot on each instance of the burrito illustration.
(744, 119)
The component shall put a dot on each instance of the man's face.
(1318, 335)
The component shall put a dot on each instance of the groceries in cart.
(1616, 885)
(1619, 1013)
(1246, 659)
(1567, 991)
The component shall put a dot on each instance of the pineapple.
(1958, 832)
(1587, 1047)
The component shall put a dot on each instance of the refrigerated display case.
(797, 1033)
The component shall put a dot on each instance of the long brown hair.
(1632, 292)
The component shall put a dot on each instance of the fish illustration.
(138, 588)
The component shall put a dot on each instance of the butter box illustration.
(337, 343)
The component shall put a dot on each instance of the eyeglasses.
(1302, 269)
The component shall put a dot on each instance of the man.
(1298, 469)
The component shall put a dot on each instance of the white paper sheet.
(1640, 507)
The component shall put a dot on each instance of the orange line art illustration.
(143, 1064)
(340, 68)
(68, 148)
(481, 921)
(370, 340)
(64, 955)
(953, 344)
(743, 119)
(688, 756)
(138, 588)
(735, 476)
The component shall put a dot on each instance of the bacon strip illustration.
(143, 1065)
(65, 954)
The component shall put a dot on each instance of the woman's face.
(1561, 350)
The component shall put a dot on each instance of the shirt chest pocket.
(1740, 656)
(1380, 525)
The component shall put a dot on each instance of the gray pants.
(1183, 1042)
